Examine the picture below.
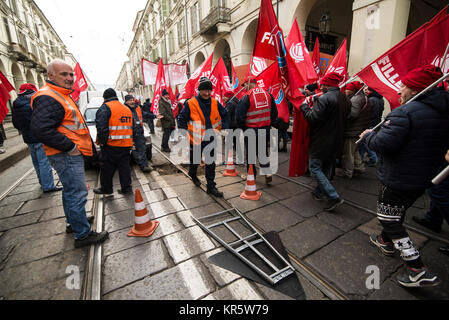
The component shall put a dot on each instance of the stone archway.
(30, 77)
(40, 81)
(18, 76)
(199, 59)
(249, 36)
(223, 50)
(2, 68)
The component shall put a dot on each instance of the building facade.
(28, 43)
(188, 31)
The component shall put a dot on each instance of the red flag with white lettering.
(258, 65)
(339, 63)
(161, 84)
(175, 105)
(300, 67)
(271, 80)
(236, 84)
(80, 83)
(220, 80)
(5, 89)
(316, 58)
(427, 46)
(190, 89)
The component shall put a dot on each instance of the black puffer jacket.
(48, 115)
(359, 117)
(21, 116)
(377, 108)
(326, 120)
(231, 106)
(413, 142)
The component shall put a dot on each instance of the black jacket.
(165, 110)
(327, 121)
(21, 116)
(413, 142)
(102, 122)
(137, 127)
(377, 108)
(231, 106)
(48, 115)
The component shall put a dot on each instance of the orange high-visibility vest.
(139, 115)
(197, 123)
(259, 112)
(120, 125)
(73, 126)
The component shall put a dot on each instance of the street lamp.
(325, 24)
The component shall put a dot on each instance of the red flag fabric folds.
(316, 58)
(220, 80)
(190, 89)
(5, 89)
(80, 83)
(161, 84)
(339, 63)
(426, 46)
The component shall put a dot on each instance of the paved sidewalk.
(16, 149)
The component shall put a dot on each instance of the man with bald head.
(59, 125)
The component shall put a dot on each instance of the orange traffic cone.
(230, 168)
(143, 226)
(250, 192)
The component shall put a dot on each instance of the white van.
(89, 103)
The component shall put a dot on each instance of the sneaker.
(387, 248)
(2, 150)
(215, 192)
(126, 192)
(101, 192)
(92, 238)
(69, 230)
(268, 179)
(334, 204)
(427, 224)
(444, 250)
(318, 197)
(416, 278)
(53, 190)
(146, 169)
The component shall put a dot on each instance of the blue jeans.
(139, 154)
(74, 194)
(363, 148)
(322, 171)
(42, 166)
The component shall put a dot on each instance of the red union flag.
(426, 46)
(80, 83)
(299, 64)
(271, 81)
(339, 63)
(5, 89)
(316, 59)
(175, 73)
(190, 89)
(220, 80)
(160, 85)
(258, 65)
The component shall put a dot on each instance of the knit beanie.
(332, 79)
(129, 97)
(109, 94)
(420, 78)
(205, 84)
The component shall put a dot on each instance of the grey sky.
(97, 32)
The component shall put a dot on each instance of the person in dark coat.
(411, 145)
(115, 154)
(358, 120)
(326, 120)
(148, 115)
(167, 119)
(21, 119)
(377, 109)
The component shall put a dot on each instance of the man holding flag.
(411, 144)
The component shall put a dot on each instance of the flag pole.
(433, 85)
(441, 177)
(443, 60)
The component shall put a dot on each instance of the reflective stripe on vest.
(259, 112)
(73, 125)
(120, 125)
(197, 123)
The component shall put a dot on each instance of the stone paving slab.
(274, 217)
(309, 236)
(236, 291)
(221, 276)
(21, 197)
(285, 190)
(344, 262)
(186, 281)
(42, 203)
(120, 220)
(187, 244)
(19, 221)
(166, 207)
(52, 213)
(186, 216)
(304, 205)
(346, 219)
(10, 210)
(247, 205)
(134, 264)
(119, 240)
